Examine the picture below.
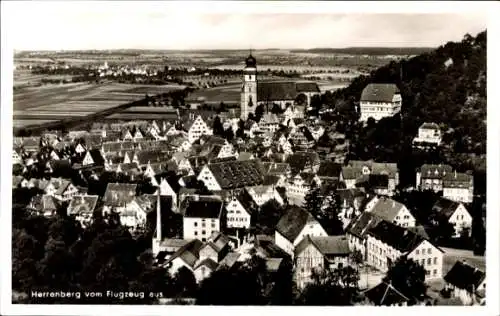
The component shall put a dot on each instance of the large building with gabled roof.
(379, 100)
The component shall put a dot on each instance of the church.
(283, 93)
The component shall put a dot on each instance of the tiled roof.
(385, 294)
(390, 169)
(82, 204)
(307, 87)
(465, 276)
(329, 245)
(189, 253)
(59, 184)
(203, 208)
(119, 194)
(96, 157)
(229, 260)
(360, 226)
(457, 180)
(379, 92)
(209, 263)
(236, 174)
(397, 237)
(432, 126)
(299, 160)
(428, 171)
(445, 207)
(291, 224)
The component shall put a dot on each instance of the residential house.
(387, 242)
(264, 193)
(319, 253)
(202, 216)
(229, 175)
(93, 157)
(61, 189)
(391, 211)
(298, 186)
(303, 161)
(357, 230)
(458, 187)
(165, 189)
(239, 210)
(430, 177)
(429, 134)
(379, 100)
(293, 226)
(385, 294)
(82, 208)
(467, 283)
(358, 171)
(196, 128)
(118, 196)
(45, 205)
(455, 213)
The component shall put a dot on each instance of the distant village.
(205, 195)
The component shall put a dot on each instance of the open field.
(141, 116)
(23, 123)
(57, 102)
(155, 89)
(227, 93)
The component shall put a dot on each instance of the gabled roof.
(329, 169)
(386, 208)
(236, 174)
(119, 194)
(59, 184)
(291, 224)
(218, 241)
(457, 180)
(465, 276)
(388, 168)
(229, 260)
(151, 156)
(362, 224)
(429, 171)
(328, 246)
(275, 168)
(209, 263)
(96, 156)
(82, 204)
(432, 126)
(189, 253)
(379, 92)
(385, 294)
(204, 207)
(397, 237)
(43, 203)
(445, 207)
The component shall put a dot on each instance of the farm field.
(148, 109)
(23, 123)
(57, 102)
(227, 93)
(141, 116)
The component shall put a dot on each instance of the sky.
(80, 25)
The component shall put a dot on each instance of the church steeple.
(249, 91)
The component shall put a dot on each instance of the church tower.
(249, 89)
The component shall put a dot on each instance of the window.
(203, 239)
(202, 224)
(417, 252)
(195, 224)
(429, 260)
(213, 225)
(427, 272)
(434, 272)
(203, 232)
(196, 233)
(422, 262)
(435, 260)
(397, 217)
(429, 251)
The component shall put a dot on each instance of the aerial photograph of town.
(249, 161)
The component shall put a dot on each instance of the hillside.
(433, 90)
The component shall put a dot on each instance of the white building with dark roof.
(391, 211)
(428, 134)
(430, 177)
(458, 187)
(319, 253)
(454, 213)
(202, 217)
(379, 100)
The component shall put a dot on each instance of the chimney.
(158, 217)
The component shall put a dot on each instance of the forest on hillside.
(446, 86)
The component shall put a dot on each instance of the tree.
(409, 278)
(269, 215)
(240, 132)
(338, 287)
(313, 201)
(301, 99)
(329, 216)
(218, 129)
(259, 112)
(229, 134)
(185, 283)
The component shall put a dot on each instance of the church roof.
(250, 62)
(283, 90)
